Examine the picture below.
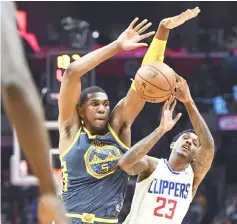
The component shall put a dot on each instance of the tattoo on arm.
(200, 126)
(206, 152)
(139, 150)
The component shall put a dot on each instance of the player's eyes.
(94, 104)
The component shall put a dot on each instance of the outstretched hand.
(131, 37)
(182, 92)
(172, 22)
(167, 122)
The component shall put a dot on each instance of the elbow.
(13, 87)
(122, 165)
(75, 69)
(70, 71)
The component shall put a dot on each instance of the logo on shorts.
(101, 161)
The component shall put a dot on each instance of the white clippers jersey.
(163, 198)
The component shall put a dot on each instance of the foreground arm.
(23, 108)
(133, 161)
(206, 152)
(129, 107)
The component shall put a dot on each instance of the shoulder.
(152, 163)
(116, 115)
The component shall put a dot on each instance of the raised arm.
(129, 107)
(71, 84)
(206, 152)
(134, 161)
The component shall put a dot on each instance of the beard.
(184, 157)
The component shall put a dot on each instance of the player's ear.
(172, 145)
(81, 112)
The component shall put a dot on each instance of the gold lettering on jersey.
(101, 161)
(97, 143)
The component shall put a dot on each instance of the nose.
(188, 142)
(101, 109)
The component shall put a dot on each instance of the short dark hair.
(183, 132)
(85, 92)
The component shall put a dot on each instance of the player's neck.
(96, 132)
(177, 164)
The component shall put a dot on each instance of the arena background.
(204, 51)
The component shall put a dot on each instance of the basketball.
(155, 82)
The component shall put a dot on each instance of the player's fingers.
(173, 105)
(146, 35)
(144, 28)
(165, 106)
(133, 22)
(140, 25)
(189, 13)
(196, 10)
(137, 45)
(184, 14)
(178, 116)
(172, 99)
(194, 13)
(178, 78)
(169, 102)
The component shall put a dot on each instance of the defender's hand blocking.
(172, 22)
(167, 122)
(182, 92)
(129, 39)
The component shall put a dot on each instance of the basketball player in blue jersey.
(165, 189)
(92, 139)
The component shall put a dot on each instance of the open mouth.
(100, 120)
(186, 147)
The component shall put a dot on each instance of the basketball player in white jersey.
(165, 189)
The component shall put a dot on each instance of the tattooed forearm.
(139, 150)
(200, 125)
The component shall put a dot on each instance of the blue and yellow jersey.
(94, 187)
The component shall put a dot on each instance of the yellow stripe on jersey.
(88, 133)
(117, 138)
(70, 147)
(90, 218)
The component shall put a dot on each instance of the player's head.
(185, 146)
(94, 108)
